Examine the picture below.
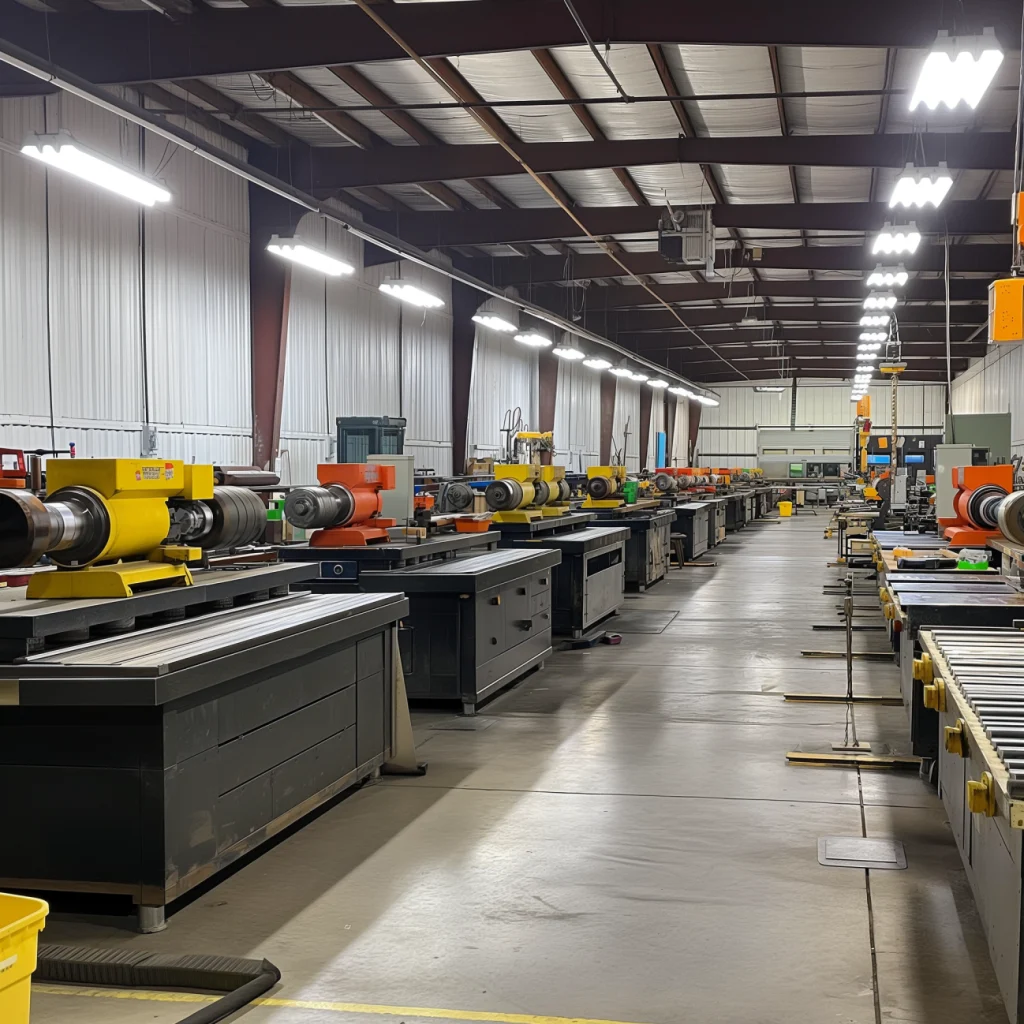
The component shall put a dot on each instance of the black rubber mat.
(637, 620)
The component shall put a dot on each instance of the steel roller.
(1010, 517)
(600, 487)
(665, 483)
(316, 508)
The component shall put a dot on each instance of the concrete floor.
(618, 838)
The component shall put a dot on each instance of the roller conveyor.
(978, 676)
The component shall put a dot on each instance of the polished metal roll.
(542, 490)
(72, 526)
(665, 483)
(458, 497)
(600, 487)
(983, 505)
(1010, 517)
(564, 491)
(504, 495)
(316, 508)
(239, 518)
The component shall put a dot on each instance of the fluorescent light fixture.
(856, 396)
(873, 336)
(772, 389)
(880, 300)
(884, 277)
(706, 400)
(868, 346)
(681, 392)
(597, 363)
(875, 320)
(410, 293)
(639, 376)
(657, 382)
(496, 323)
(867, 357)
(64, 153)
(894, 242)
(533, 339)
(958, 69)
(921, 186)
(305, 255)
(622, 370)
(568, 349)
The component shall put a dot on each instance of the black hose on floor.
(243, 980)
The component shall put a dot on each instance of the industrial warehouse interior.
(511, 511)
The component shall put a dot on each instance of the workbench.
(980, 718)
(735, 512)
(649, 544)
(143, 764)
(588, 584)
(693, 521)
(716, 518)
(474, 624)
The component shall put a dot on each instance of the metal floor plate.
(639, 621)
(858, 852)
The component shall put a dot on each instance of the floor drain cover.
(856, 852)
(471, 723)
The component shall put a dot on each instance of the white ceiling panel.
(594, 187)
(633, 67)
(678, 277)
(521, 190)
(414, 197)
(678, 184)
(815, 237)
(820, 69)
(516, 75)
(752, 183)
(471, 195)
(726, 69)
(834, 184)
(406, 82)
(335, 91)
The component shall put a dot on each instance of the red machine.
(346, 508)
(12, 468)
(980, 492)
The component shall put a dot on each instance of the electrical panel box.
(947, 458)
(360, 435)
(1006, 310)
(398, 503)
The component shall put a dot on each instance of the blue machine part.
(914, 458)
(878, 460)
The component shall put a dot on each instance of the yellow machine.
(522, 492)
(604, 486)
(105, 523)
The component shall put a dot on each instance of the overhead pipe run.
(71, 83)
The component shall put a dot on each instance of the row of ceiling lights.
(956, 70)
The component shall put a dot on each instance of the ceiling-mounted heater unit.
(687, 237)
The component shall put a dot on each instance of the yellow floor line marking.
(141, 995)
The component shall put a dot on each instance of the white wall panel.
(657, 427)
(681, 441)
(995, 384)
(504, 377)
(626, 417)
(577, 416)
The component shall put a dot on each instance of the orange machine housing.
(963, 530)
(364, 481)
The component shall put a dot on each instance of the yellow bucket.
(785, 508)
(21, 920)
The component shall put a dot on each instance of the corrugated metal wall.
(354, 351)
(995, 384)
(504, 377)
(657, 427)
(681, 442)
(729, 430)
(627, 417)
(130, 312)
(577, 417)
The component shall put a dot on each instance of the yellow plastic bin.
(785, 508)
(21, 920)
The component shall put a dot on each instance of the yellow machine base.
(555, 510)
(519, 515)
(116, 580)
(603, 503)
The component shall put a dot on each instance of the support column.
(608, 382)
(269, 295)
(465, 302)
(646, 401)
(671, 405)
(695, 408)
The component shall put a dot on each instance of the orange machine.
(980, 491)
(12, 468)
(346, 508)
